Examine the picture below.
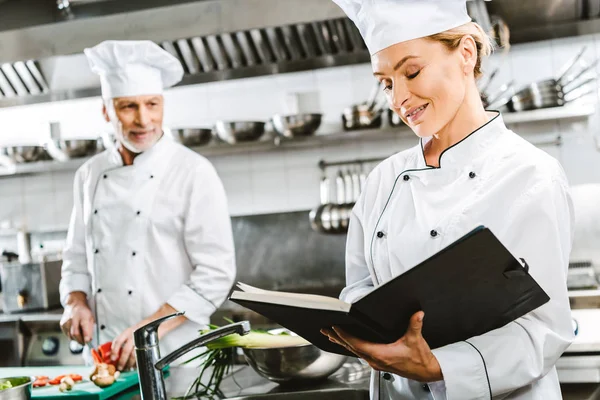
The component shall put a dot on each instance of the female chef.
(467, 170)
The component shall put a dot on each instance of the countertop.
(244, 381)
(33, 316)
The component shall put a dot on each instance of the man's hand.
(123, 347)
(409, 357)
(77, 321)
(122, 350)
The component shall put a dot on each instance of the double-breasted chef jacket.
(151, 233)
(409, 211)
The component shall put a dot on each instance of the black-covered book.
(469, 288)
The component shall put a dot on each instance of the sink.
(324, 394)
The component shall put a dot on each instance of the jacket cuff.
(74, 283)
(464, 371)
(197, 309)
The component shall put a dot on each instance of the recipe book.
(471, 287)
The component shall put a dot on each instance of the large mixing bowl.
(240, 131)
(25, 154)
(297, 364)
(192, 137)
(297, 125)
(21, 388)
(63, 150)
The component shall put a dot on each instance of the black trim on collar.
(460, 141)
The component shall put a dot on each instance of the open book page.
(251, 293)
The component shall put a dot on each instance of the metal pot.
(297, 125)
(21, 388)
(192, 137)
(361, 116)
(298, 364)
(240, 131)
(63, 150)
(25, 154)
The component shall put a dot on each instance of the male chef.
(150, 232)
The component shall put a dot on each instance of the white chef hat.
(133, 68)
(383, 23)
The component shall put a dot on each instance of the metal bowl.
(73, 148)
(297, 364)
(21, 388)
(25, 154)
(240, 131)
(291, 126)
(192, 137)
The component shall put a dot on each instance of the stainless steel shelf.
(278, 144)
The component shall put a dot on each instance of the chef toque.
(133, 68)
(383, 23)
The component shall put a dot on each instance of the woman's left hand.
(409, 357)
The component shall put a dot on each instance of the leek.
(5, 385)
(220, 355)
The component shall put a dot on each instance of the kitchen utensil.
(24, 154)
(336, 213)
(192, 137)
(20, 390)
(233, 132)
(360, 116)
(355, 184)
(62, 150)
(297, 125)
(32, 286)
(296, 364)
(316, 213)
(346, 207)
(84, 390)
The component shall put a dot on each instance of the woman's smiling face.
(425, 82)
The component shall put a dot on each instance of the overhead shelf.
(276, 144)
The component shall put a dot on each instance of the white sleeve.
(358, 277)
(209, 242)
(538, 229)
(75, 276)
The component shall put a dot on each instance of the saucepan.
(553, 92)
(365, 115)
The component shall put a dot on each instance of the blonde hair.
(452, 37)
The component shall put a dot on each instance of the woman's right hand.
(77, 321)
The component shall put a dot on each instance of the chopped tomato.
(40, 381)
(57, 380)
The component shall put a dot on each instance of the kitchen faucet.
(151, 365)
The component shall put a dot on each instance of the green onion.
(221, 353)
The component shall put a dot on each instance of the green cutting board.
(83, 390)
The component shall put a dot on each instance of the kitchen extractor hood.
(41, 41)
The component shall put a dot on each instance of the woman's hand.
(409, 357)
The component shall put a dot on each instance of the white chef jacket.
(410, 211)
(155, 232)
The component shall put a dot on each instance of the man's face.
(137, 120)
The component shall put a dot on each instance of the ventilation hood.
(41, 41)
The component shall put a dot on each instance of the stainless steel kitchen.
(197, 199)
